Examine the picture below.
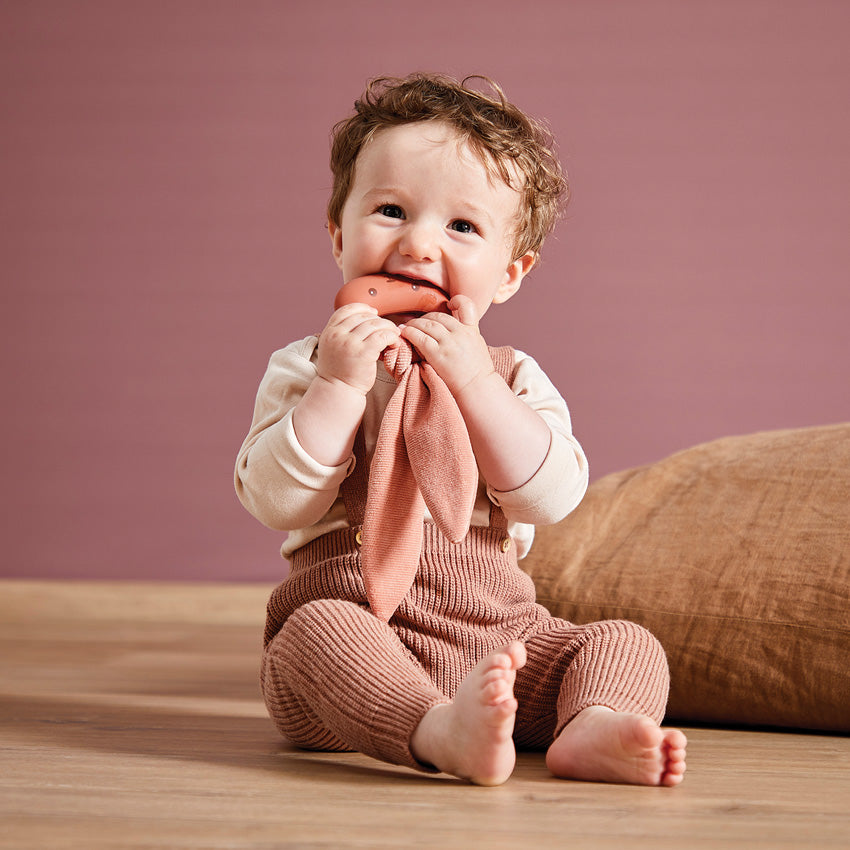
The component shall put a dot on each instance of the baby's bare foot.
(472, 737)
(602, 745)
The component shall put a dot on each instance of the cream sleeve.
(276, 480)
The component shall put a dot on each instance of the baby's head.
(514, 147)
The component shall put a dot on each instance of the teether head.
(390, 295)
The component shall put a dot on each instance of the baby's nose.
(420, 242)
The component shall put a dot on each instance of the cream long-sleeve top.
(288, 490)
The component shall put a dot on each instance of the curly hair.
(509, 143)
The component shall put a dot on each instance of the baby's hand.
(452, 344)
(351, 344)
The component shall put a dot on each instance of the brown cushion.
(736, 555)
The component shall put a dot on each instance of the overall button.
(506, 544)
(358, 538)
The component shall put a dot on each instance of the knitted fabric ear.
(440, 453)
(422, 457)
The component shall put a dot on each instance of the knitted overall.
(337, 678)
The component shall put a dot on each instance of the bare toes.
(604, 745)
(515, 654)
(644, 733)
(471, 737)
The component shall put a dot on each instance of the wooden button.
(358, 538)
(506, 544)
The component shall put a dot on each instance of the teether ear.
(392, 295)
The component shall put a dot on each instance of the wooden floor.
(130, 718)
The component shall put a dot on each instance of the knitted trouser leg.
(614, 663)
(337, 678)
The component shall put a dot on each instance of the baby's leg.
(472, 737)
(573, 673)
(337, 678)
(603, 745)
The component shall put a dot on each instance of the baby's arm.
(282, 482)
(560, 483)
(328, 415)
(510, 440)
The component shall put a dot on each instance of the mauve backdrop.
(164, 175)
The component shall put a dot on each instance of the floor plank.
(130, 717)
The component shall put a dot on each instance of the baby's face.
(424, 206)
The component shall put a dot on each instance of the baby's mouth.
(404, 316)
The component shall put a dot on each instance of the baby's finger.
(464, 310)
(352, 313)
(383, 336)
(417, 337)
(361, 325)
(433, 325)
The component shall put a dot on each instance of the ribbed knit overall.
(336, 678)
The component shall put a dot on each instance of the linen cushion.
(736, 555)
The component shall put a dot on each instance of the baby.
(439, 185)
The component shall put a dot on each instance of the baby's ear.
(514, 274)
(335, 232)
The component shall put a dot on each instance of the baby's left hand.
(452, 344)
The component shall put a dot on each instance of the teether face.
(391, 295)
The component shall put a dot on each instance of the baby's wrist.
(340, 387)
(478, 383)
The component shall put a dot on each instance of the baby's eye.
(391, 210)
(462, 226)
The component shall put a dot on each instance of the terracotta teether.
(390, 295)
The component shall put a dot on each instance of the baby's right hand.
(351, 344)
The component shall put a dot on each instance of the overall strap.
(504, 362)
(355, 486)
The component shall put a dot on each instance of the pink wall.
(164, 173)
